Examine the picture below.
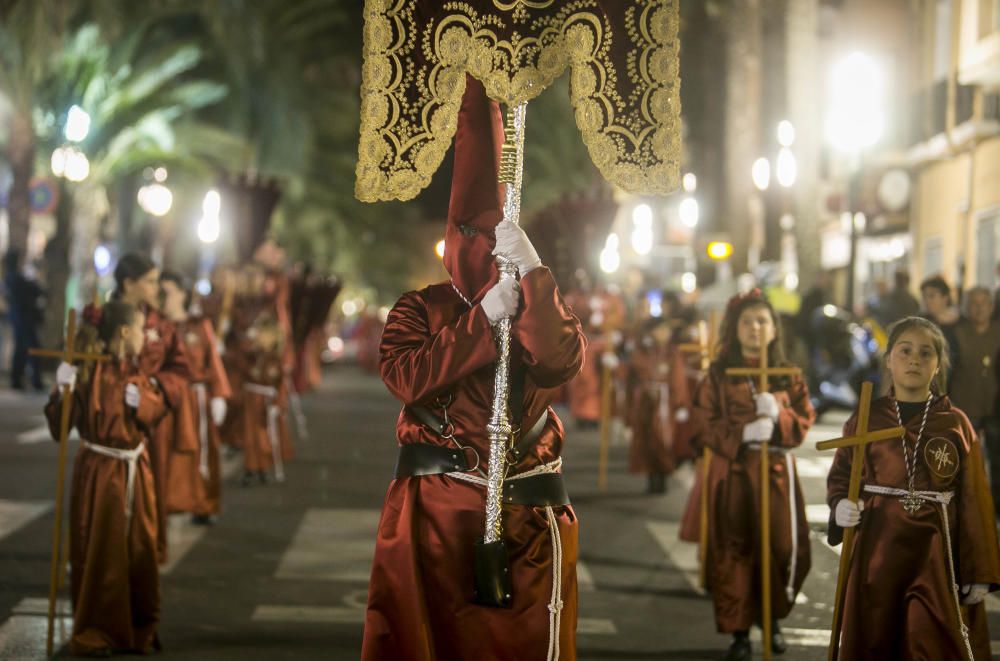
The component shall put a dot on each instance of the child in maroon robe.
(732, 419)
(115, 583)
(926, 552)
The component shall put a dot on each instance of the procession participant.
(584, 391)
(137, 282)
(938, 306)
(194, 472)
(114, 578)
(974, 382)
(732, 419)
(267, 443)
(660, 400)
(438, 358)
(926, 517)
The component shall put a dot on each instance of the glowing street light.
(210, 225)
(786, 133)
(761, 173)
(787, 167)
(77, 124)
(155, 199)
(689, 282)
(690, 182)
(610, 259)
(642, 234)
(855, 120)
(439, 249)
(688, 212)
(102, 259)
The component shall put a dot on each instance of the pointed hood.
(476, 196)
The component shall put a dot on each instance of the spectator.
(25, 305)
(898, 303)
(974, 380)
(939, 307)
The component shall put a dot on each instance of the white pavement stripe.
(584, 579)
(683, 555)
(799, 637)
(15, 514)
(819, 514)
(814, 467)
(332, 545)
(41, 434)
(592, 626)
(181, 538)
(309, 614)
(22, 637)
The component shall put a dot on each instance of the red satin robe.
(899, 603)
(114, 580)
(193, 472)
(265, 415)
(584, 391)
(658, 380)
(163, 359)
(420, 596)
(723, 406)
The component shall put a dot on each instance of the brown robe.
(164, 361)
(658, 380)
(114, 580)
(723, 406)
(264, 427)
(584, 391)
(899, 603)
(194, 467)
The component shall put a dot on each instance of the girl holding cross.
(115, 583)
(733, 417)
(925, 554)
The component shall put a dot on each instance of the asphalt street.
(283, 574)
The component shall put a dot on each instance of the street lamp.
(439, 249)
(761, 173)
(642, 232)
(787, 168)
(610, 259)
(854, 123)
(209, 227)
(689, 212)
(77, 124)
(155, 199)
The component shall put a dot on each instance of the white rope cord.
(556, 603)
(273, 414)
(131, 459)
(202, 393)
(942, 498)
(793, 517)
(461, 295)
(552, 467)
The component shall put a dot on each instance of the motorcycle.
(844, 353)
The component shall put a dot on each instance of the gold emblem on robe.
(941, 457)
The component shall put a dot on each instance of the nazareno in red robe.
(438, 343)
(657, 377)
(723, 406)
(193, 475)
(114, 577)
(163, 360)
(899, 602)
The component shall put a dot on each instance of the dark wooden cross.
(68, 355)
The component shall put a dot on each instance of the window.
(933, 256)
(987, 240)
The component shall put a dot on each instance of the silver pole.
(499, 427)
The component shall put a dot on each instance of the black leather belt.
(541, 490)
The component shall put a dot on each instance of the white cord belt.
(273, 415)
(202, 393)
(942, 498)
(555, 603)
(793, 517)
(131, 459)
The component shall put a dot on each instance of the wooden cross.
(705, 347)
(763, 373)
(861, 438)
(68, 355)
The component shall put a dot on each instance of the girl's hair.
(131, 266)
(938, 341)
(729, 353)
(99, 328)
(168, 275)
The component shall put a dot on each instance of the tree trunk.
(57, 264)
(21, 153)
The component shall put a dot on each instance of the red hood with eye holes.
(476, 195)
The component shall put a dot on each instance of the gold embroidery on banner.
(629, 117)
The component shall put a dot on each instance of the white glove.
(218, 406)
(681, 415)
(501, 301)
(515, 245)
(609, 360)
(767, 406)
(132, 396)
(759, 430)
(848, 513)
(66, 375)
(974, 593)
